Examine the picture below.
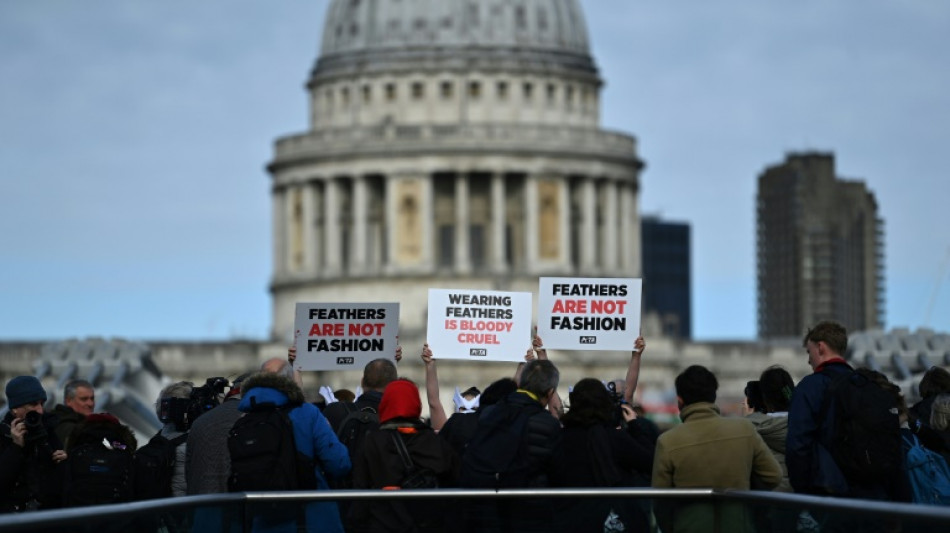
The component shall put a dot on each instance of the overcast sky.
(134, 135)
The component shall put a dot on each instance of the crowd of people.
(515, 433)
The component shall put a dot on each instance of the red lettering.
(570, 306)
(607, 306)
(327, 330)
(366, 330)
(478, 338)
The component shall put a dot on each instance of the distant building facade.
(451, 144)
(820, 249)
(666, 274)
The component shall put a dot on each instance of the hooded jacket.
(773, 428)
(313, 438)
(379, 465)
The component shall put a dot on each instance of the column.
(291, 230)
(588, 226)
(279, 228)
(626, 227)
(531, 223)
(462, 263)
(333, 260)
(609, 248)
(360, 199)
(389, 225)
(632, 219)
(310, 240)
(565, 220)
(498, 203)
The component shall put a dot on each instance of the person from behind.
(940, 423)
(100, 462)
(79, 400)
(517, 445)
(376, 375)
(934, 382)
(313, 438)
(31, 456)
(207, 459)
(599, 453)
(460, 427)
(404, 454)
(710, 451)
(172, 410)
(775, 387)
(811, 467)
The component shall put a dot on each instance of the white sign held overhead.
(479, 325)
(589, 313)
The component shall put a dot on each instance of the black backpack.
(154, 466)
(866, 439)
(99, 475)
(355, 426)
(264, 455)
(497, 455)
(414, 476)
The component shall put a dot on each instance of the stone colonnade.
(460, 223)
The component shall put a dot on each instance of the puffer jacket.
(772, 428)
(313, 438)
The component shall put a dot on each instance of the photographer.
(172, 408)
(31, 456)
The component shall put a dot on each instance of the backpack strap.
(401, 449)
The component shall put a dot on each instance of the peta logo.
(344, 360)
(478, 352)
(589, 340)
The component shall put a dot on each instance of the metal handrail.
(63, 517)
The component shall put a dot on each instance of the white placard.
(344, 336)
(589, 313)
(479, 325)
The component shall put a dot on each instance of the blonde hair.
(940, 412)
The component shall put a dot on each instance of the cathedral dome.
(363, 36)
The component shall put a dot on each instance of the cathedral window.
(390, 92)
(502, 90)
(474, 89)
(446, 88)
(367, 93)
(418, 90)
(527, 89)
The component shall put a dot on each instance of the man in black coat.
(31, 456)
(517, 445)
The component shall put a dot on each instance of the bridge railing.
(762, 511)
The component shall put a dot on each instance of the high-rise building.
(820, 248)
(666, 274)
(451, 144)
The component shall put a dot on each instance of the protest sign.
(479, 325)
(344, 336)
(589, 313)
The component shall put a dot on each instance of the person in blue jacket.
(312, 436)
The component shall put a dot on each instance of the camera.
(618, 401)
(36, 434)
(35, 430)
(183, 411)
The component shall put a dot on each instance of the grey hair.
(69, 391)
(278, 366)
(539, 376)
(940, 412)
(180, 389)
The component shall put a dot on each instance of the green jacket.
(710, 451)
